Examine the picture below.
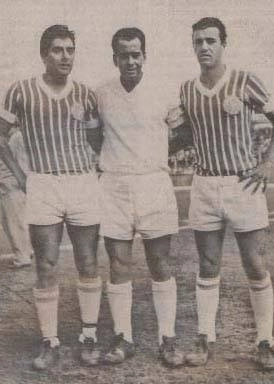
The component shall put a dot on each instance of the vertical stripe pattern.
(53, 132)
(222, 138)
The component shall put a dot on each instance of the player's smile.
(131, 71)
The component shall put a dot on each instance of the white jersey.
(135, 131)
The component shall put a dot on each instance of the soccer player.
(57, 115)
(218, 105)
(137, 193)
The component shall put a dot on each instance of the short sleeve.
(92, 121)
(12, 100)
(174, 117)
(257, 95)
(7, 116)
(9, 110)
(177, 116)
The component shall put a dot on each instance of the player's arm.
(95, 138)
(265, 170)
(180, 134)
(180, 138)
(7, 120)
(93, 124)
(269, 153)
(260, 100)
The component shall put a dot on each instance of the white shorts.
(138, 203)
(71, 198)
(217, 200)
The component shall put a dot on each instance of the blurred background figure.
(12, 204)
(262, 133)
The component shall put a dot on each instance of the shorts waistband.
(115, 174)
(206, 172)
(64, 173)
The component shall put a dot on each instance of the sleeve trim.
(7, 116)
(269, 106)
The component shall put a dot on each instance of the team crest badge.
(232, 105)
(77, 111)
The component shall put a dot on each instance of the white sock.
(261, 295)
(89, 295)
(165, 301)
(207, 297)
(120, 301)
(46, 302)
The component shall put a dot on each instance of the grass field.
(235, 360)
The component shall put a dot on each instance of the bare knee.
(209, 266)
(46, 274)
(252, 250)
(120, 256)
(157, 256)
(87, 266)
(255, 268)
(159, 268)
(120, 270)
(209, 246)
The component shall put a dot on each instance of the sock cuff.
(270, 340)
(210, 283)
(259, 285)
(46, 294)
(119, 288)
(162, 286)
(93, 285)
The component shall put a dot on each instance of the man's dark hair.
(208, 22)
(54, 32)
(128, 34)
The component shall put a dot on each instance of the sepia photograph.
(136, 192)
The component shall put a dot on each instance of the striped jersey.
(53, 125)
(221, 120)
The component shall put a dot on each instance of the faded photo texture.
(170, 60)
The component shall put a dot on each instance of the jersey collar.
(135, 89)
(210, 92)
(57, 96)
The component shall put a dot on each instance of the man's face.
(208, 47)
(129, 59)
(60, 57)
